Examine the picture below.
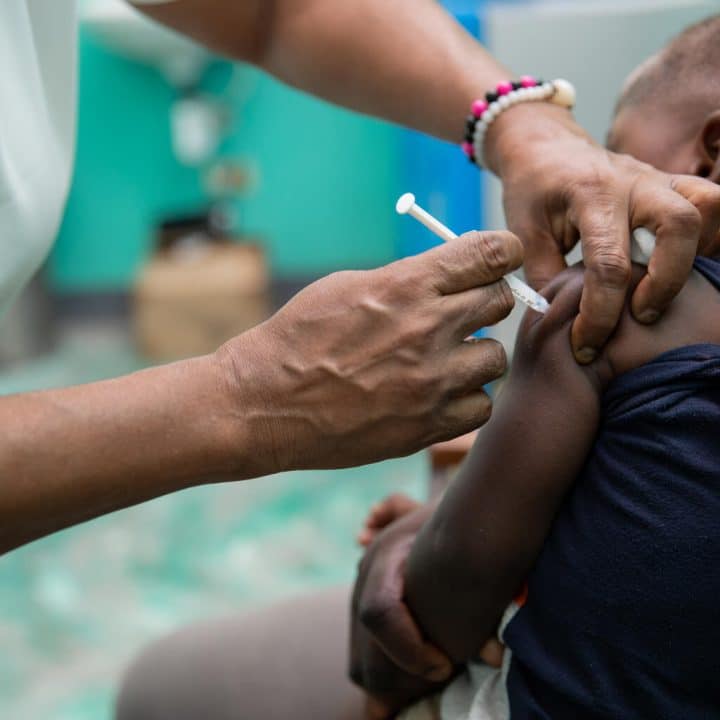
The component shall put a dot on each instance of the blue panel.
(438, 174)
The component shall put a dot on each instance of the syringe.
(406, 205)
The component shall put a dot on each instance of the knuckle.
(406, 277)
(612, 268)
(419, 331)
(503, 299)
(595, 182)
(684, 218)
(346, 277)
(495, 249)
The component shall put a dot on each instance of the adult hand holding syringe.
(406, 205)
(642, 246)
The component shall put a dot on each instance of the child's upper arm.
(491, 525)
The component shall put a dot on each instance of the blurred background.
(187, 223)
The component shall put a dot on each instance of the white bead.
(504, 102)
(564, 94)
(490, 113)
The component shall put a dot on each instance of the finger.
(474, 259)
(543, 260)
(705, 196)
(606, 252)
(478, 307)
(393, 507)
(464, 414)
(492, 653)
(397, 635)
(676, 223)
(472, 366)
(365, 537)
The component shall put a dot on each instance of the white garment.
(38, 59)
(477, 693)
(38, 98)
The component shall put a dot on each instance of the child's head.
(668, 114)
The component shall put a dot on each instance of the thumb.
(473, 260)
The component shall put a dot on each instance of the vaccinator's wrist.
(247, 407)
(530, 130)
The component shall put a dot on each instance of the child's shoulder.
(693, 318)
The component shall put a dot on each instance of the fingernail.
(648, 317)
(586, 355)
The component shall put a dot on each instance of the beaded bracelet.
(484, 112)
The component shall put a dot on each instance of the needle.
(406, 205)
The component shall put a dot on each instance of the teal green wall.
(327, 182)
(323, 200)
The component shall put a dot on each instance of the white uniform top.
(38, 89)
(38, 97)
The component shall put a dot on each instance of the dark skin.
(472, 554)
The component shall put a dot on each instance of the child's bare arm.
(472, 556)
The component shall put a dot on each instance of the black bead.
(516, 85)
(491, 97)
(470, 123)
(469, 137)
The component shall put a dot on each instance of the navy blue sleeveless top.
(623, 613)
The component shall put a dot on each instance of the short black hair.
(691, 60)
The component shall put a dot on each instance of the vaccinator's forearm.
(407, 61)
(70, 455)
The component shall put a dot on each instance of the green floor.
(75, 607)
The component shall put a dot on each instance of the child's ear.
(709, 148)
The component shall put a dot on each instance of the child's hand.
(385, 513)
(492, 653)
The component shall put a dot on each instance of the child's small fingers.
(365, 538)
(391, 509)
(492, 653)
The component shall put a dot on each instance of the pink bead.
(468, 149)
(504, 88)
(478, 108)
(527, 81)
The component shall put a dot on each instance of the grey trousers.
(287, 661)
